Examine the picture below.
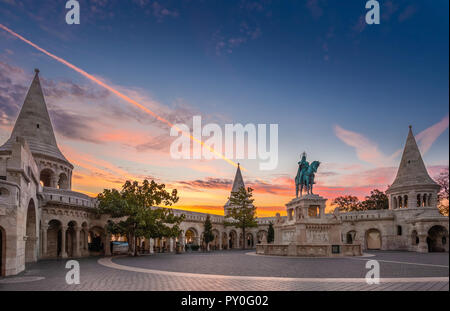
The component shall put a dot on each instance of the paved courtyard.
(239, 270)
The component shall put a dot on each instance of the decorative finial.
(36, 70)
(239, 164)
(410, 127)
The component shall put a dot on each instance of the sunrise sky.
(339, 89)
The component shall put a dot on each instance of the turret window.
(37, 125)
(424, 202)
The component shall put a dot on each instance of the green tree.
(375, 201)
(346, 203)
(208, 235)
(243, 211)
(270, 233)
(442, 181)
(132, 207)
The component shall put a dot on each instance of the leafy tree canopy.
(132, 206)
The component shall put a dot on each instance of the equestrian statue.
(305, 175)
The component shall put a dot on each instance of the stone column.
(220, 241)
(63, 241)
(171, 245)
(54, 182)
(86, 242)
(152, 244)
(77, 242)
(423, 246)
(183, 243)
(199, 244)
(44, 240)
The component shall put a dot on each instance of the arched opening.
(419, 200)
(399, 230)
(96, 240)
(405, 201)
(54, 238)
(249, 240)
(414, 238)
(31, 235)
(424, 202)
(63, 182)
(2, 251)
(373, 239)
(437, 239)
(216, 242)
(400, 205)
(46, 178)
(191, 236)
(224, 241)
(350, 237)
(71, 240)
(232, 239)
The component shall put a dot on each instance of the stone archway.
(437, 239)
(2, 251)
(224, 241)
(249, 240)
(47, 178)
(63, 181)
(191, 236)
(96, 240)
(54, 239)
(71, 239)
(232, 240)
(31, 235)
(216, 242)
(373, 239)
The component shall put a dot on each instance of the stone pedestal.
(308, 231)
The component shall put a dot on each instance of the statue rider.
(302, 167)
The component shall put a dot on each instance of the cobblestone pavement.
(239, 270)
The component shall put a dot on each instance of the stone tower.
(413, 187)
(238, 183)
(33, 124)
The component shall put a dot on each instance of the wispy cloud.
(427, 137)
(368, 151)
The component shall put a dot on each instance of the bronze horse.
(306, 178)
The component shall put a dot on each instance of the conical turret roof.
(412, 170)
(33, 124)
(238, 182)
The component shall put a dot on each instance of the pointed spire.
(33, 124)
(412, 170)
(238, 180)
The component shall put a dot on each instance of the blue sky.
(311, 66)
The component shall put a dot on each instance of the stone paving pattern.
(94, 276)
